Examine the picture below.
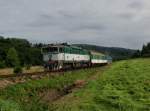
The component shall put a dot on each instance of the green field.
(125, 86)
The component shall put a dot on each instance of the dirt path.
(15, 80)
(55, 95)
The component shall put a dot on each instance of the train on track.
(64, 56)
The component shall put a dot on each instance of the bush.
(18, 69)
(12, 58)
(2, 64)
(28, 67)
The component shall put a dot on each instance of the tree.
(137, 54)
(2, 64)
(28, 54)
(12, 58)
(146, 50)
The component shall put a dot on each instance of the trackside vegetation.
(26, 96)
(124, 87)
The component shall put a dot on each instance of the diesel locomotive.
(63, 56)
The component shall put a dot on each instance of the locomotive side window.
(61, 50)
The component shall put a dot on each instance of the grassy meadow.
(125, 86)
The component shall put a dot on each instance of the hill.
(115, 52)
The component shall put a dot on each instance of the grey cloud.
(121, 23)
(43, 20)
(66, 14)
(67, 22)
(137, 4)
(92, 27)
(127, 15)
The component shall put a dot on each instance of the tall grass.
(24, 96)
(124, 87)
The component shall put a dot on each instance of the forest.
(14, 52)
(145, 52)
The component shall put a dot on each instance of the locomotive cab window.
(53, 49)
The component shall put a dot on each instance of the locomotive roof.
(72, 46)
(63, 45)
(96, 53)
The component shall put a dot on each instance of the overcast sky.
(118, 23)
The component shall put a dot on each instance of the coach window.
(61, 50)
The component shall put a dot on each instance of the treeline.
(145, 52)
(115, 52)
(19, 52)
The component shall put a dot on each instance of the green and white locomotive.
(63, 56)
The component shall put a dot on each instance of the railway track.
(39, 73)
(6, 80)
(25, 74)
